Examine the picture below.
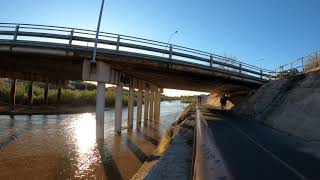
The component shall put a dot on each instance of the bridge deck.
(51, 52)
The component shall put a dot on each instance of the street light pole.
(176, 32)
(93, 61)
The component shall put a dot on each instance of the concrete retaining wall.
(291, 105)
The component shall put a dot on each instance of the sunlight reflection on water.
(85, 135)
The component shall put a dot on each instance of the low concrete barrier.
(208, 162)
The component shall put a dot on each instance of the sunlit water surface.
(65, 147)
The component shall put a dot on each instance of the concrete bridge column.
(101, 74)
(157, 105)
(30, 93)
(45, 94)
(139, 103)
(118, 107)
(151, 110)
(59, 93)
(146, 105)
(100, 105)
(13, 94)
(130, 106)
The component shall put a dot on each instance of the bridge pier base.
(139, 105)
(146, 105)
(30, 93)
(100, 106)
(130, 106)
(13, 94)
(118, 108)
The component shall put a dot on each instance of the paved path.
(253, 151)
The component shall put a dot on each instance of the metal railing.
(207, 160)
(66, 37)
(302, 65)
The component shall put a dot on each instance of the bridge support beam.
(30, 93)
(45, 94)
(13, 94)
(146, 105)
(118, 108)
(139, 104)
(100, 105)
(151, 110)
(130, 106)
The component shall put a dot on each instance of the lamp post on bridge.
(176, 32)
(93, 61)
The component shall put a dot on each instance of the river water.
(64, 146)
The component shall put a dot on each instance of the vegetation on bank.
(75, 93)
(187, 99)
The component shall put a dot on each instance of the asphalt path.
(254, 151)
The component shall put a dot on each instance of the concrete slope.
(290, 105)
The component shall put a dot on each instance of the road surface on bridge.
(254, 151)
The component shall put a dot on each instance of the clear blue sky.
(274, 30)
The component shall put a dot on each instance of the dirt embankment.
(290, 105)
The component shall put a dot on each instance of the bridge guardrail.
(207, 160)
(14, 32)
(299, 66)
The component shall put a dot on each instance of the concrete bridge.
(54, 54)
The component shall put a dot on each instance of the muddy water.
(64, 146)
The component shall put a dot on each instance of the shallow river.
(64, 146)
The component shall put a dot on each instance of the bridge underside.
(40, 64)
